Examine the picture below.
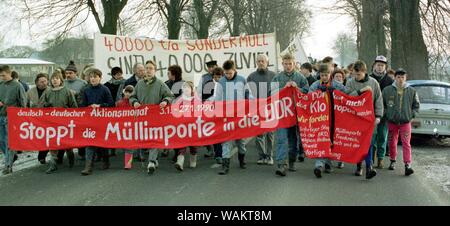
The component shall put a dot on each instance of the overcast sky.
(318, 43)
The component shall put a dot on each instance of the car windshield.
(433, 94)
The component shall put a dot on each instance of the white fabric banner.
(118, 51)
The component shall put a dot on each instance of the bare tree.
(65, 15)
(435, 17)
(373, 33)
(205, 11)
(345, 47)
(171, 11)
(408, 46)
(233, 12)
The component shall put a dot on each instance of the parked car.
(434, 114)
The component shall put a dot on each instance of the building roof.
(23, 61)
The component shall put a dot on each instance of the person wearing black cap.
(205, 90)
(379, 73)
(402, 104)
(72, 81)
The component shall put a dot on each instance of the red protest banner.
(314, 123)
(181, 125)
(354, 125)
(351, 131)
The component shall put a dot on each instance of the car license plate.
(436, 122)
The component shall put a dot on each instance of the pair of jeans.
(381, 139)
(228, 146)
(287, 142)
(264, 145)
(8, 155)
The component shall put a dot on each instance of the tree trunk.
(112, 10)
(237, 17)
(408, 47)
(373, 39)
(173, 20)
(204, 18)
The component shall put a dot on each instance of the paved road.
(256, 186)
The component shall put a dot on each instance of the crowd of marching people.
(395, 105)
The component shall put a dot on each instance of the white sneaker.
(260, 161)
(180, 162)
(193, 161)
(151, 168)
(270, 161)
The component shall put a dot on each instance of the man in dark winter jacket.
(96, 95)
(12, 95)
(401, 103)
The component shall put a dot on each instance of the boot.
(180, 162)
(358, 171)
(281, 170)
(408, 170)
(242, 161)
(7, 170)
(52, 166)
(292, 163)
(193, 161)
(106, 163)
(151, 168)
(370, 173)
(128, 161)
(87, 168)
(380, 164)
(113, 153)
(71, 157)
(318, 172)
(225, 167)
(392, 165)
(340, 165)
(328, 169)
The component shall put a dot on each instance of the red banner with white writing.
(177, 126)
(350, 124)
(354, 119)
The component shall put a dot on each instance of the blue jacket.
(97, 95)
(234, 89)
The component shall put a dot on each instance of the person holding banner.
(240, 91)
(175, 83)
(96, 95)
(402, 104)
(288, 140)
(34, 95)
(188, 97)
(58, 96)
(360, 84)
(138, 74)
(205, 90)
(259, 83)
(151, 90)
(217, 75)
(12, 95)
(123, 103)
(326, 84)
